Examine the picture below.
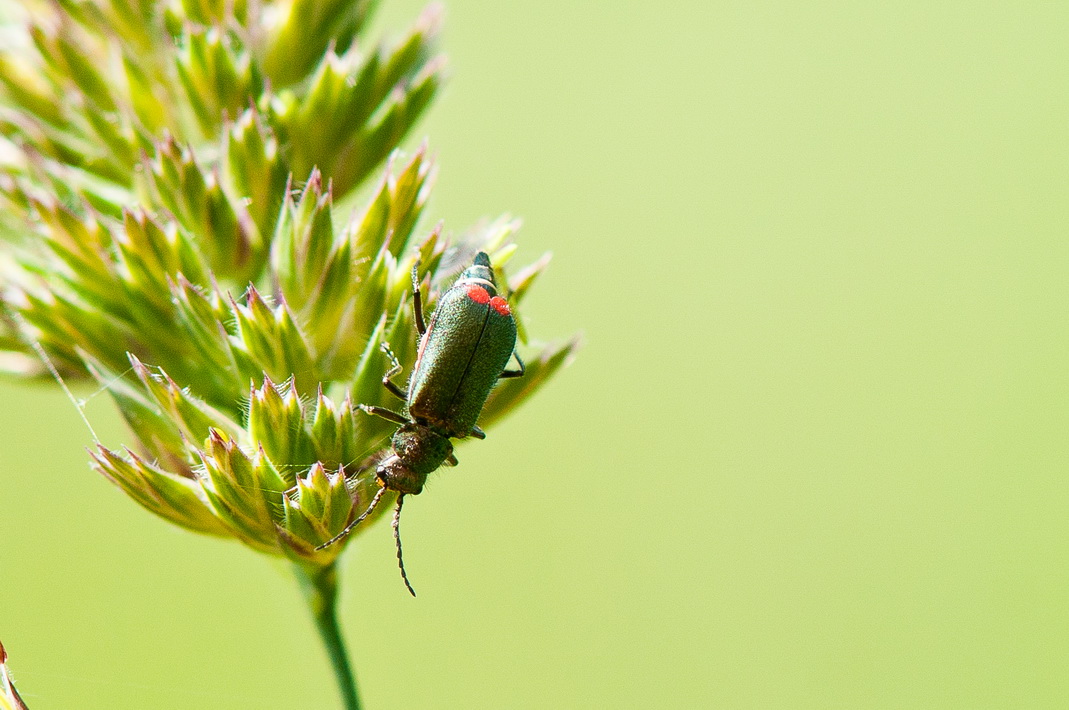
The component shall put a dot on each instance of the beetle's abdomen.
(467, 345)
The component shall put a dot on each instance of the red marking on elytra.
(478, 294)
(500, 305)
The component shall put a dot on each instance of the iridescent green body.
(462, 354)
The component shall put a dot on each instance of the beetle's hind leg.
(387, 414)
(514, 373)
(417, 300)
(394, 371)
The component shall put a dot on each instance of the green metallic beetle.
(462, 354)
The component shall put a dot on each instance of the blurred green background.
(813, 454)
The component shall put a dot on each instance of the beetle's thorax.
(418, 449)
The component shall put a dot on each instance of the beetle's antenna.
(397, 537)
(350, 526)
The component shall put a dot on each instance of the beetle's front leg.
(387, 414)
(387, 379)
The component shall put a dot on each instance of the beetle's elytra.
(463, 352)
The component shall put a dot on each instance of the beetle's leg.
(514, 373)
(387, 414)
(478, 433)
(451, 460)
(387, 379)
(417, 300)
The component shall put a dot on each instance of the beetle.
(462, 353)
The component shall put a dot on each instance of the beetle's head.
(417, 450)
